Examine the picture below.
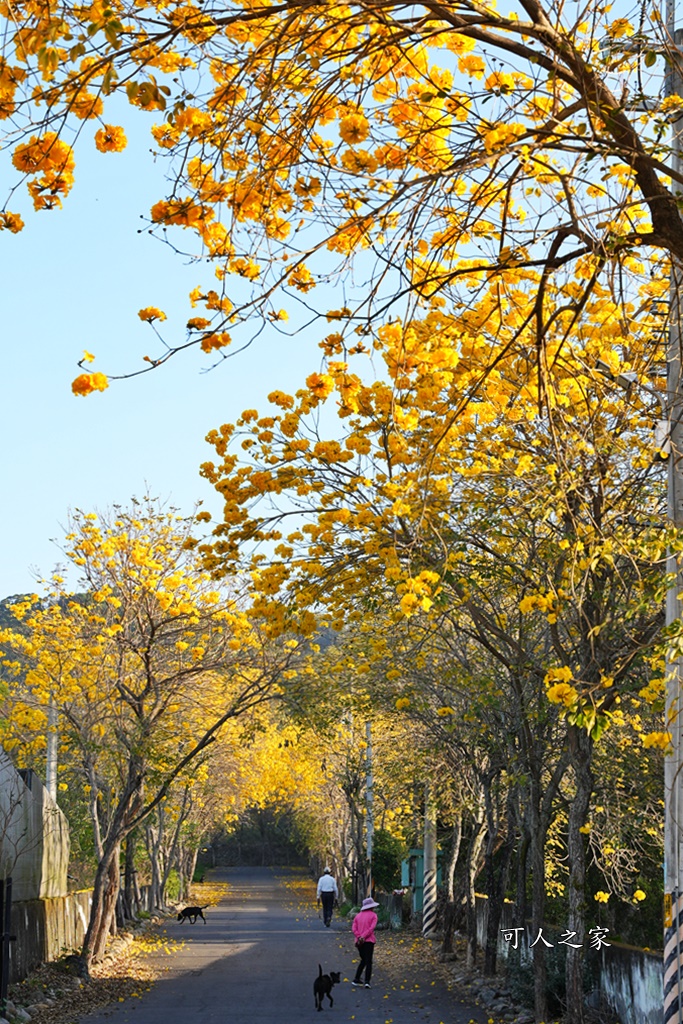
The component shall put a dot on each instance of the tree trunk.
(496, 881)
(453, 856)
(581, 753)
(130, 905)
(106, 886)
(449, 918)
(94, 809)
(172, 857)
(187, 862)
(538, 830)
(521, 871)
(494, 906)
(105, 892)
(450, 910)
(153, 843)
(473, 866)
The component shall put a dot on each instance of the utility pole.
(369, 803)
(673, 764)
(52, 753)
(429, 865)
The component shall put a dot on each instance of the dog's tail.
(205, 906)
(320, 971)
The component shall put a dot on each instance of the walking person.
(364, 924)
(326, 894)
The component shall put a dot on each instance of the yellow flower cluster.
(354, 128)
(558, 674)
(184, 212)
(151, 313)
(418, 592)
(359, 161)
(50, 157)
(659, 740)
(245, 268)
(500, 81)
(301, 278)
(215, 341)
(562, 693)
(547, 603)
(86, 383)
(10, 78)
(10, 221)
(502, 136)
(320, 384)
(111, 139)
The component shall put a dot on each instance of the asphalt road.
(255, 960)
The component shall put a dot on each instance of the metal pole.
(369, 803)
(673, 777)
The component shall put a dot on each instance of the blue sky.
(74, 279)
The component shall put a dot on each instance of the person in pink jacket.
(364, 924)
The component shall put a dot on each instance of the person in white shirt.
(326, 894)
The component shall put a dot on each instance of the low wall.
(46, 929)
(628, 982)
(632, 984)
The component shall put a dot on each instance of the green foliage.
(520, 976)
(173, 885)
(387, 854)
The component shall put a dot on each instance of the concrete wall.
(34, 836)
(627, 981)
(632, 984)
(46, 929)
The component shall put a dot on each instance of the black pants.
(327, 899)
(365, 951)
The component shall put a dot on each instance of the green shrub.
(173, 885)
(387, 854)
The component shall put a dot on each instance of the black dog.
(322, 986)
(192, 913)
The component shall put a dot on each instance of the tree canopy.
(445, 157)
(495, 201)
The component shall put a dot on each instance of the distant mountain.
(6, 618)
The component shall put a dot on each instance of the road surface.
(255, 960)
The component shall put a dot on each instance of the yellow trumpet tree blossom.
(438, 147)
(533, 525)
(144, 667)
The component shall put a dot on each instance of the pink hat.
(368, 904)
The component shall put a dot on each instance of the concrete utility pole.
(673, 764)
(369, 803)
(429, 881)
(52, 753)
